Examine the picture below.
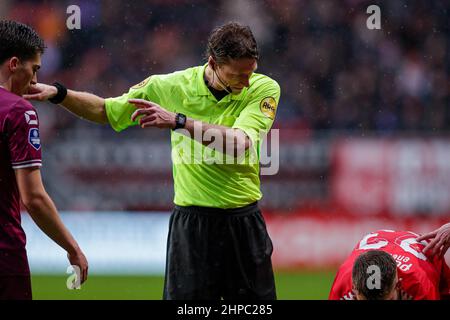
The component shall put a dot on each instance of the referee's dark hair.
(360, 274)
(19, 40)
(231, 41)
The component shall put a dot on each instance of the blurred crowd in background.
(334, 72)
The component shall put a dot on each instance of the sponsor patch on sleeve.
(141, 84)
(268, 107)
(31, 117)
(34, 139)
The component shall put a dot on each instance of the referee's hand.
(40, 92)
(152, 115)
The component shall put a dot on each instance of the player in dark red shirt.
(20, 160)
(404, 270)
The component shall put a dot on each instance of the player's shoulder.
(178, 77)
(260, 83)
(23, 105)
(342, 284)
(14, 105)
(389, 234)
(259, 78)
(420, 285)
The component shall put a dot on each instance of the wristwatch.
(180, 121)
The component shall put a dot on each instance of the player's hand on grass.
(440, 240)
(152, 115)
(79, 259)
(41, 92)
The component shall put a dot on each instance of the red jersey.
(20, 147)
(422, 277)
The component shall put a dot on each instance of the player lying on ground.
(390, 265)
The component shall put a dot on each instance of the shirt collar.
(202, 89)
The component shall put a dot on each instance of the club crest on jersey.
(268, 107)
(34, 139)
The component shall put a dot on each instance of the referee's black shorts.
(218, 253)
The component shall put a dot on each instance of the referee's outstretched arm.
(85, 105)
(91, 107)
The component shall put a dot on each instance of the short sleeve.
(444, 285)
(423, 290)
(257, 117)
(119, 111)
(24, 143)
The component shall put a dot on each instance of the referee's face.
(236, 73)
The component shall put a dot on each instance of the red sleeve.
(334, 292)
(421, 285)
(22, 128)
(444, 286)
(426, 291)
(342, 285)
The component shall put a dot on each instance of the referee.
(218, 246)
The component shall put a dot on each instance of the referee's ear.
(212, 63)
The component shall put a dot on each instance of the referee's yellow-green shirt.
(202, 176)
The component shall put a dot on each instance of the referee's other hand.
(152, 114)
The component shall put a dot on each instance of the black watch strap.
(180, 121)
(61, 95)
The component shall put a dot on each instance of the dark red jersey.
(20, 147)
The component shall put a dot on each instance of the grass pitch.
(304, 285)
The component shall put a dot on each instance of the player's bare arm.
(153, 115)
(44, 213)
(85, 105)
